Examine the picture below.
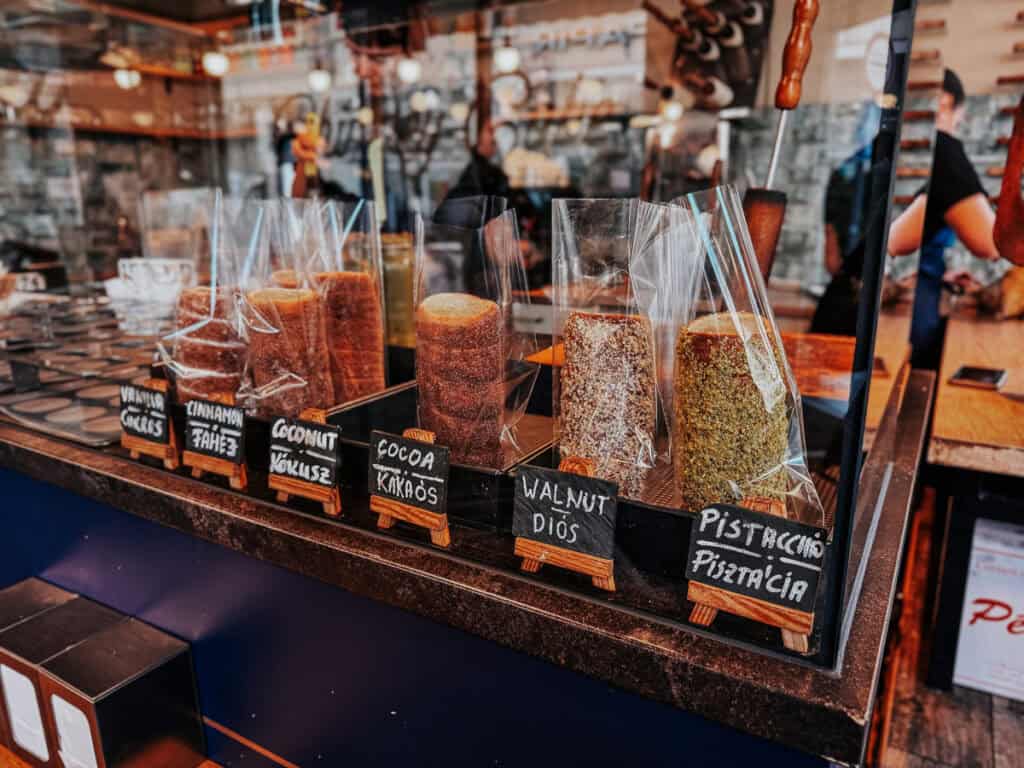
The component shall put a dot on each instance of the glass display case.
(615, 270)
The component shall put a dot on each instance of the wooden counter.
(979, 429)
(822, 364)
(477, 587)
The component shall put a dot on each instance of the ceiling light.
(319, 80)
(409, 70)
(365, 116)
(127, 78)
(215, 63)
(506, 58)
(671, 110)
(459, 111)
(418, 102)
(433, 100)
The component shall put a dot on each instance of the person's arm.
(833, 258)
(906, 230)
(973, 221)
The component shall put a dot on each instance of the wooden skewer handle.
(704, 15)
(796, 54)
(677, 25)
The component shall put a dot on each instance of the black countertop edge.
(797, 705)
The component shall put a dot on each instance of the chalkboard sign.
(25, 376)
(215, 430)
(409, 471)
(762, 556)
(304, 450)
(144, 413)
(566, 510)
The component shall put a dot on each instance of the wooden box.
(18, 603)
(22, 648)
(124, 697)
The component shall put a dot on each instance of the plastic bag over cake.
(473, 375)
(346, 274)
(288, 365)
(737, 424)
(617, 277)
(205, 353)
(175, 224)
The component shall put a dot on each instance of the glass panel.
(132, 132)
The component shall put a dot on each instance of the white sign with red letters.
(990, 653)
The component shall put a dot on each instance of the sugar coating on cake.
(608, 399)
(208, 355)
(285, 278)
(473, 364)
(460, 376)
(288, 358)
(355, 332)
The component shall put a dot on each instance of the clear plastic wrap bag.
(206, 351)
(617, 274)
(175, 224)
(670, 354)
(737, 428)
(288, 364)
(472, 371)
(346, 273)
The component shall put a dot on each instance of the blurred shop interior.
(411, 103)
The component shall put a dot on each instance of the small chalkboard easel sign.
(751, 561)
(146, 427)
(409, 482)
(566, 518)
(215, 439)
(304, 459)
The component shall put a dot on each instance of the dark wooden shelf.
(930, 25)
(1010, 79)
(918, 115)
(157, 133)
(924, 85)
(995, 171)
(153, 70)
(558, 115)
(926, 56)
(911, 145)
(908, 172)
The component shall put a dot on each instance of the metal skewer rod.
(773, 164)
(794, 62)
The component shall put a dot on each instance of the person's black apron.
(927, 328)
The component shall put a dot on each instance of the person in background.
(953, 205)
(482, 176)
(847, 211)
